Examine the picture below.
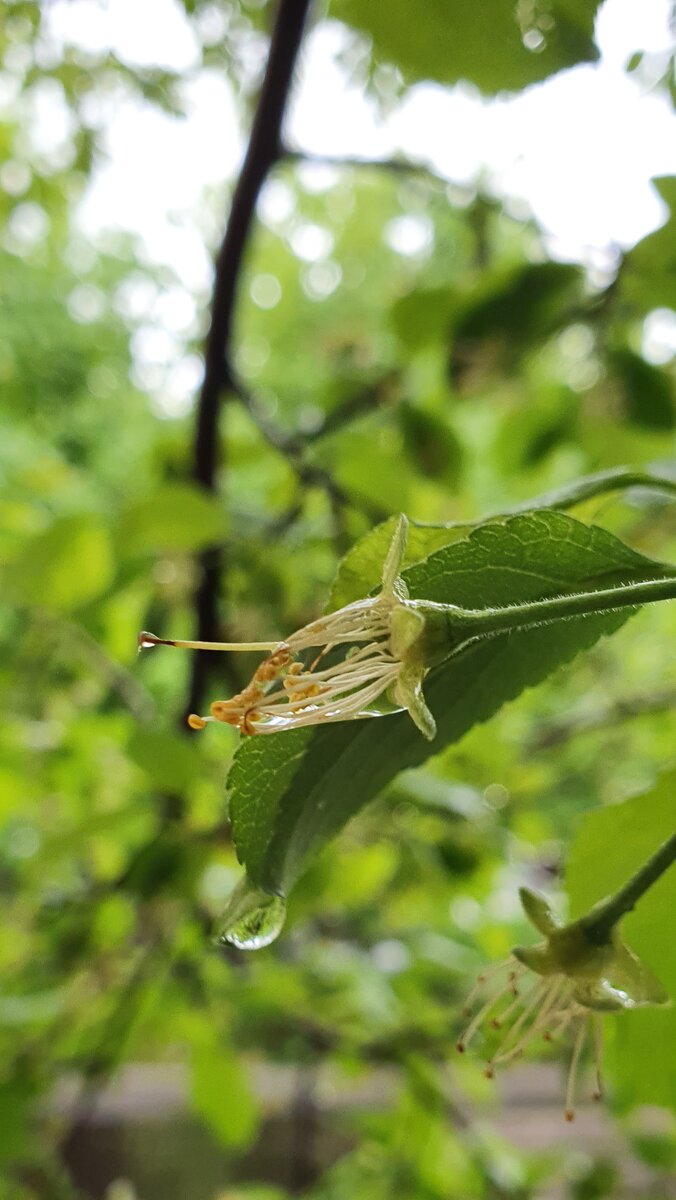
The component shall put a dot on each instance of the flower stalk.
(466, 624)
(600, 922)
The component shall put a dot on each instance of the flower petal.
(538, 911)
(393, 560)
(409, 694)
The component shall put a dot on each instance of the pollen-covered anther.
(196, 722)
(272, 667)
(227, 711)
(248, 722)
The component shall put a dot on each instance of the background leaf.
(65, 567)
(485, 46)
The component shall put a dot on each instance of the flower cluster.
(366, 659)
(561, 986)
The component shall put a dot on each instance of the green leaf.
(482, 43)
(219, 1089)
(290, 792)
(423, 317)
(611, 845)
(175, 517)
(431, 446)
(359, 570)
(509, 317)
(169, 759)
(648, 274)
(63, 568)
(648, 392)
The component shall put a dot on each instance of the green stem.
(600, 922)
(470, 623)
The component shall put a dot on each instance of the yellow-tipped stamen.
(572, 1072)
(598, 1054)
(196, 722)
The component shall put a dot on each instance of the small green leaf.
(175, 517)
(63, 568)
(648, 392)
(169, 759)
(291, 792)
(431, 445)
(510, 316)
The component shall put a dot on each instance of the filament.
(598, 1052)
(572, 1073)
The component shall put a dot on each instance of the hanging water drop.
(253, 918)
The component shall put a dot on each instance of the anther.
(196, 722)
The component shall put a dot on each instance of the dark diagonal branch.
(263, 152)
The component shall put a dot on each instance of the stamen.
(598, 1053)
(475, 1023)
(563, 1017)
(572, 1073)
(196, 722)
(503, 1017)
(534, 997)
(485, 977)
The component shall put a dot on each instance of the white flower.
(372, 658)
(562, 985)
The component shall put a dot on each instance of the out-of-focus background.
(459, 292)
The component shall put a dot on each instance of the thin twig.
(309, 474)
(395, 166)
(263, 152)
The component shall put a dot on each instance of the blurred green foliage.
(451, 383)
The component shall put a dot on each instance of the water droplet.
(253, 918)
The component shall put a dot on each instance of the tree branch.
(263, 152)
(293, 447)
